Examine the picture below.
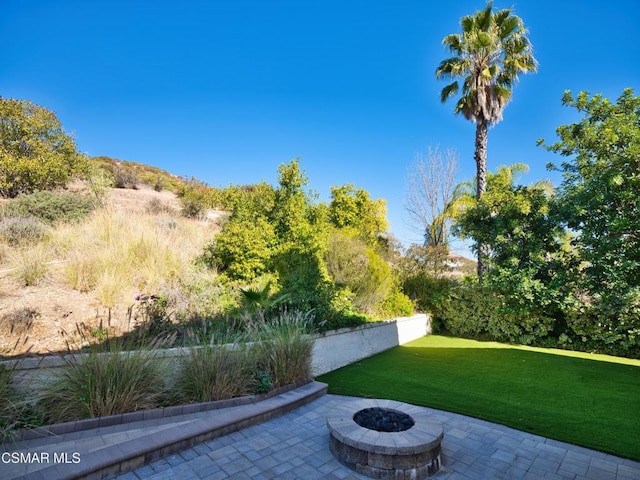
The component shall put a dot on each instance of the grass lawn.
(584, 399)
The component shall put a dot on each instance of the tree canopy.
(35, 152)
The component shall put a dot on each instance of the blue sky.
(227, 90)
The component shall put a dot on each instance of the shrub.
(215, 372)
(283, 347)
(102, 383)
(467, 310)
(607, 323)
(17, 231)
(429, 292)
(51, 207)
(353, 264)
(396, 304)
(124, 177)
(36, 153)
(155, 206)
(243, 249)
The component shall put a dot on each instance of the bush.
(243, 249)
(396, 304)
(467, 310)
(51, 207)
(215, 372)
(124, 177)
(17, 231)
(155, 206)
(607, 323)
(283, 347)
(37, 154)
(481, 311)
(429, 293)
(102, 383)
(353, 264)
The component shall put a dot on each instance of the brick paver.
(296, 446)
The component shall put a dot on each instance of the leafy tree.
(601, 203)
(352, 208)
(527, 254)
(35, 152)
(487, 56)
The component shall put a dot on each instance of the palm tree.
(487, 57)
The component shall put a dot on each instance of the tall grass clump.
(30, 265)
(104, 381)
(218, 367)
(283, 346)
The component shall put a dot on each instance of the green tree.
(35, 152)
(352, 208)
(527, 254)
(488, 56)
(601, 203)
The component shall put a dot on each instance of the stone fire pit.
(398, 441)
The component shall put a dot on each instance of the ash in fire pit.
(383, 420)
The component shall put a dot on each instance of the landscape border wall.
(331, 350)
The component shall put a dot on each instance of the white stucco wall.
(338, 348)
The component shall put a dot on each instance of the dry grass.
(102, 263)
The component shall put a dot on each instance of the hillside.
(138, 242)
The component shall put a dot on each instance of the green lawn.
(588, 400)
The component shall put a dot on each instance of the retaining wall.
(338, 348)
(332, 350)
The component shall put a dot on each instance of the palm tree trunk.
(480, 157)
(482, 129)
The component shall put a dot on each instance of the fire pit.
(386, 439)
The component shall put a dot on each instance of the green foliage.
(488, 56)
(352, 208)
(17, 231)
(35, 152)
(599, 201)
(429, 293)
(51, 207)
(195, 198)
(395, 304)
(243, 250)
(283, 234)
(348, 261)
(527, 263)
(8, 399)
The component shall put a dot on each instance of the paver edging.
(131, 454)
(163, 412)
